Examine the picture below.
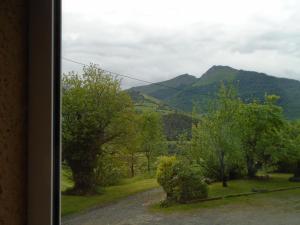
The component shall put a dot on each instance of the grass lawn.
(75, 204)
(240, 186)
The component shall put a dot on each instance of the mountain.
(185, 91)
(144, 102)
(216, 74)
(166, 89)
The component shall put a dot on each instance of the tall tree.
(183, 146)
(216, 135)
(291, 147)
(130, 150)
(260, 126)
(153, 139)
(95, 112)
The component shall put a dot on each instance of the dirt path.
(133, 211)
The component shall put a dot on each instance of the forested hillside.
(186, 92)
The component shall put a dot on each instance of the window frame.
(44, 151)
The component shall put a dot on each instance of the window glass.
(180, 112)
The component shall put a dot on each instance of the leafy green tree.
(130, 150)
(153, 139)
(110, 169)
(290, 159)
(216, 135)
(183, 145)
(260, 126)
(175, 124)
(131, 153)
(95, 112)
(296, 147)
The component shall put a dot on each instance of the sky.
(159, 39)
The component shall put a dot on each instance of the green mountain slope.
(216, 74)
(145, 102)
(166, 89)
(174, 121)
(251, 85)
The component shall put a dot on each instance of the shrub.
(109, 171)
(165, 174)
(181, 181)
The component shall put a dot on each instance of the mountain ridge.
(184, 91)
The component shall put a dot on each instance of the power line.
(122, 75)
(137, 79)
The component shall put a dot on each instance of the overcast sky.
(156, 40)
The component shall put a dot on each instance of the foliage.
(110, 169)
(95, 112)
(176, 124)
(260, 126)
(152, 137)
(181, 181)
(290, 159)
(215, 138)
(183, 146)
(66, 178)
(129, 150)
(165, 173)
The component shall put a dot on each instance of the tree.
(290, 157)
(130, 150)
(260, 126)
(153, 139)
(95, 112)
(295, 139)
(183, 145)
(216, 135)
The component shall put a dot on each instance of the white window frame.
(44, 112)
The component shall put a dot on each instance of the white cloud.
(159, 39)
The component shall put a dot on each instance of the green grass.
(260, 200)
(242, 186)
(76, 204)
(239, 186)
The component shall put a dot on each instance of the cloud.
(158, 45)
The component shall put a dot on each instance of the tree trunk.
(132, 166)
(251, 169)
(148, 163)
(223, 175)
(84, 178)
(297, 171)
(224, 182)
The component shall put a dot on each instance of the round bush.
(181, 181)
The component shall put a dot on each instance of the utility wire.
(122, 75)
(131, 77)
(136, 79)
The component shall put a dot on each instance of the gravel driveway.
(133, 211)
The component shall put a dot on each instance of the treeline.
(233, 140)
(236, 139)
